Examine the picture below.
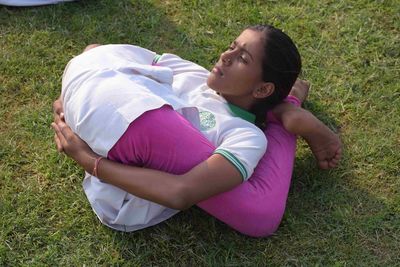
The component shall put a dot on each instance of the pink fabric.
(162, 139)
(256, 207)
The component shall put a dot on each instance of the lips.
(217, 70)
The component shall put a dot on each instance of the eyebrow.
(244, 49)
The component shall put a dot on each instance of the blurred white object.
(31, 2)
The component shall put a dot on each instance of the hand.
(72, 145)
(326, 146)
(58, 113)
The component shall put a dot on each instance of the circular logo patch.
(207, 120)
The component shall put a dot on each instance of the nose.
(227, 57)
(226, 61)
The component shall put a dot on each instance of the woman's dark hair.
(281, 66)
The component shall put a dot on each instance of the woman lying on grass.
(176, 135)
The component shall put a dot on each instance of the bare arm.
(297, 120)
(213, 176)
(325, 144)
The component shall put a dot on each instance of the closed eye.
(235, 44)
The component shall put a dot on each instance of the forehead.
(252, 41)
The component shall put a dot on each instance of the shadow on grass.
(90, 21)
(331, 209)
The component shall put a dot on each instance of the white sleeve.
(243, 147)
(187, 75)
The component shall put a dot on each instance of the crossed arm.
(211, 177)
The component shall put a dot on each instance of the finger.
(66, 131)
(56, 106)
(323, 164)
(339, 153)
(335, 161)
(57, 118)
(58, 144)
(337, 157)
(59, 134)
(332, 164)
(54, 126)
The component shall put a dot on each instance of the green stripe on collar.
(156, 59)
(244, 114)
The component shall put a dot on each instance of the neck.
(245, 103)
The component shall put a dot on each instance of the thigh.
(162, 139)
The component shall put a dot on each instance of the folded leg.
(164, 140)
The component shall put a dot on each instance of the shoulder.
(242, 129)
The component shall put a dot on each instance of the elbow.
(182, 199)
(180, 205)
(292, 119)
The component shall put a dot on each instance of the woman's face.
(238, 71)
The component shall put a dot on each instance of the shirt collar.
(244, 114)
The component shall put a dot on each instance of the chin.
(210, 82)
(211, 85)
(209, 78)
(214, 84)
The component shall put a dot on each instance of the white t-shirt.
(228, 127)
(110, 86)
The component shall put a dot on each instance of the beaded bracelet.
(96, 165)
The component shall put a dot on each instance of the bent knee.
(261, 220)
(91, 46)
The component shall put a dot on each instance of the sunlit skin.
(237, 75)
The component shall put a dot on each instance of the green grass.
(346, 217)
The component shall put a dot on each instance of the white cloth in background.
(31, 2)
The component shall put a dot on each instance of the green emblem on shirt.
(207, 120)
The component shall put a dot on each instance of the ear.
(265, 90)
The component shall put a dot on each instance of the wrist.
(87, 161)
(96, 166)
